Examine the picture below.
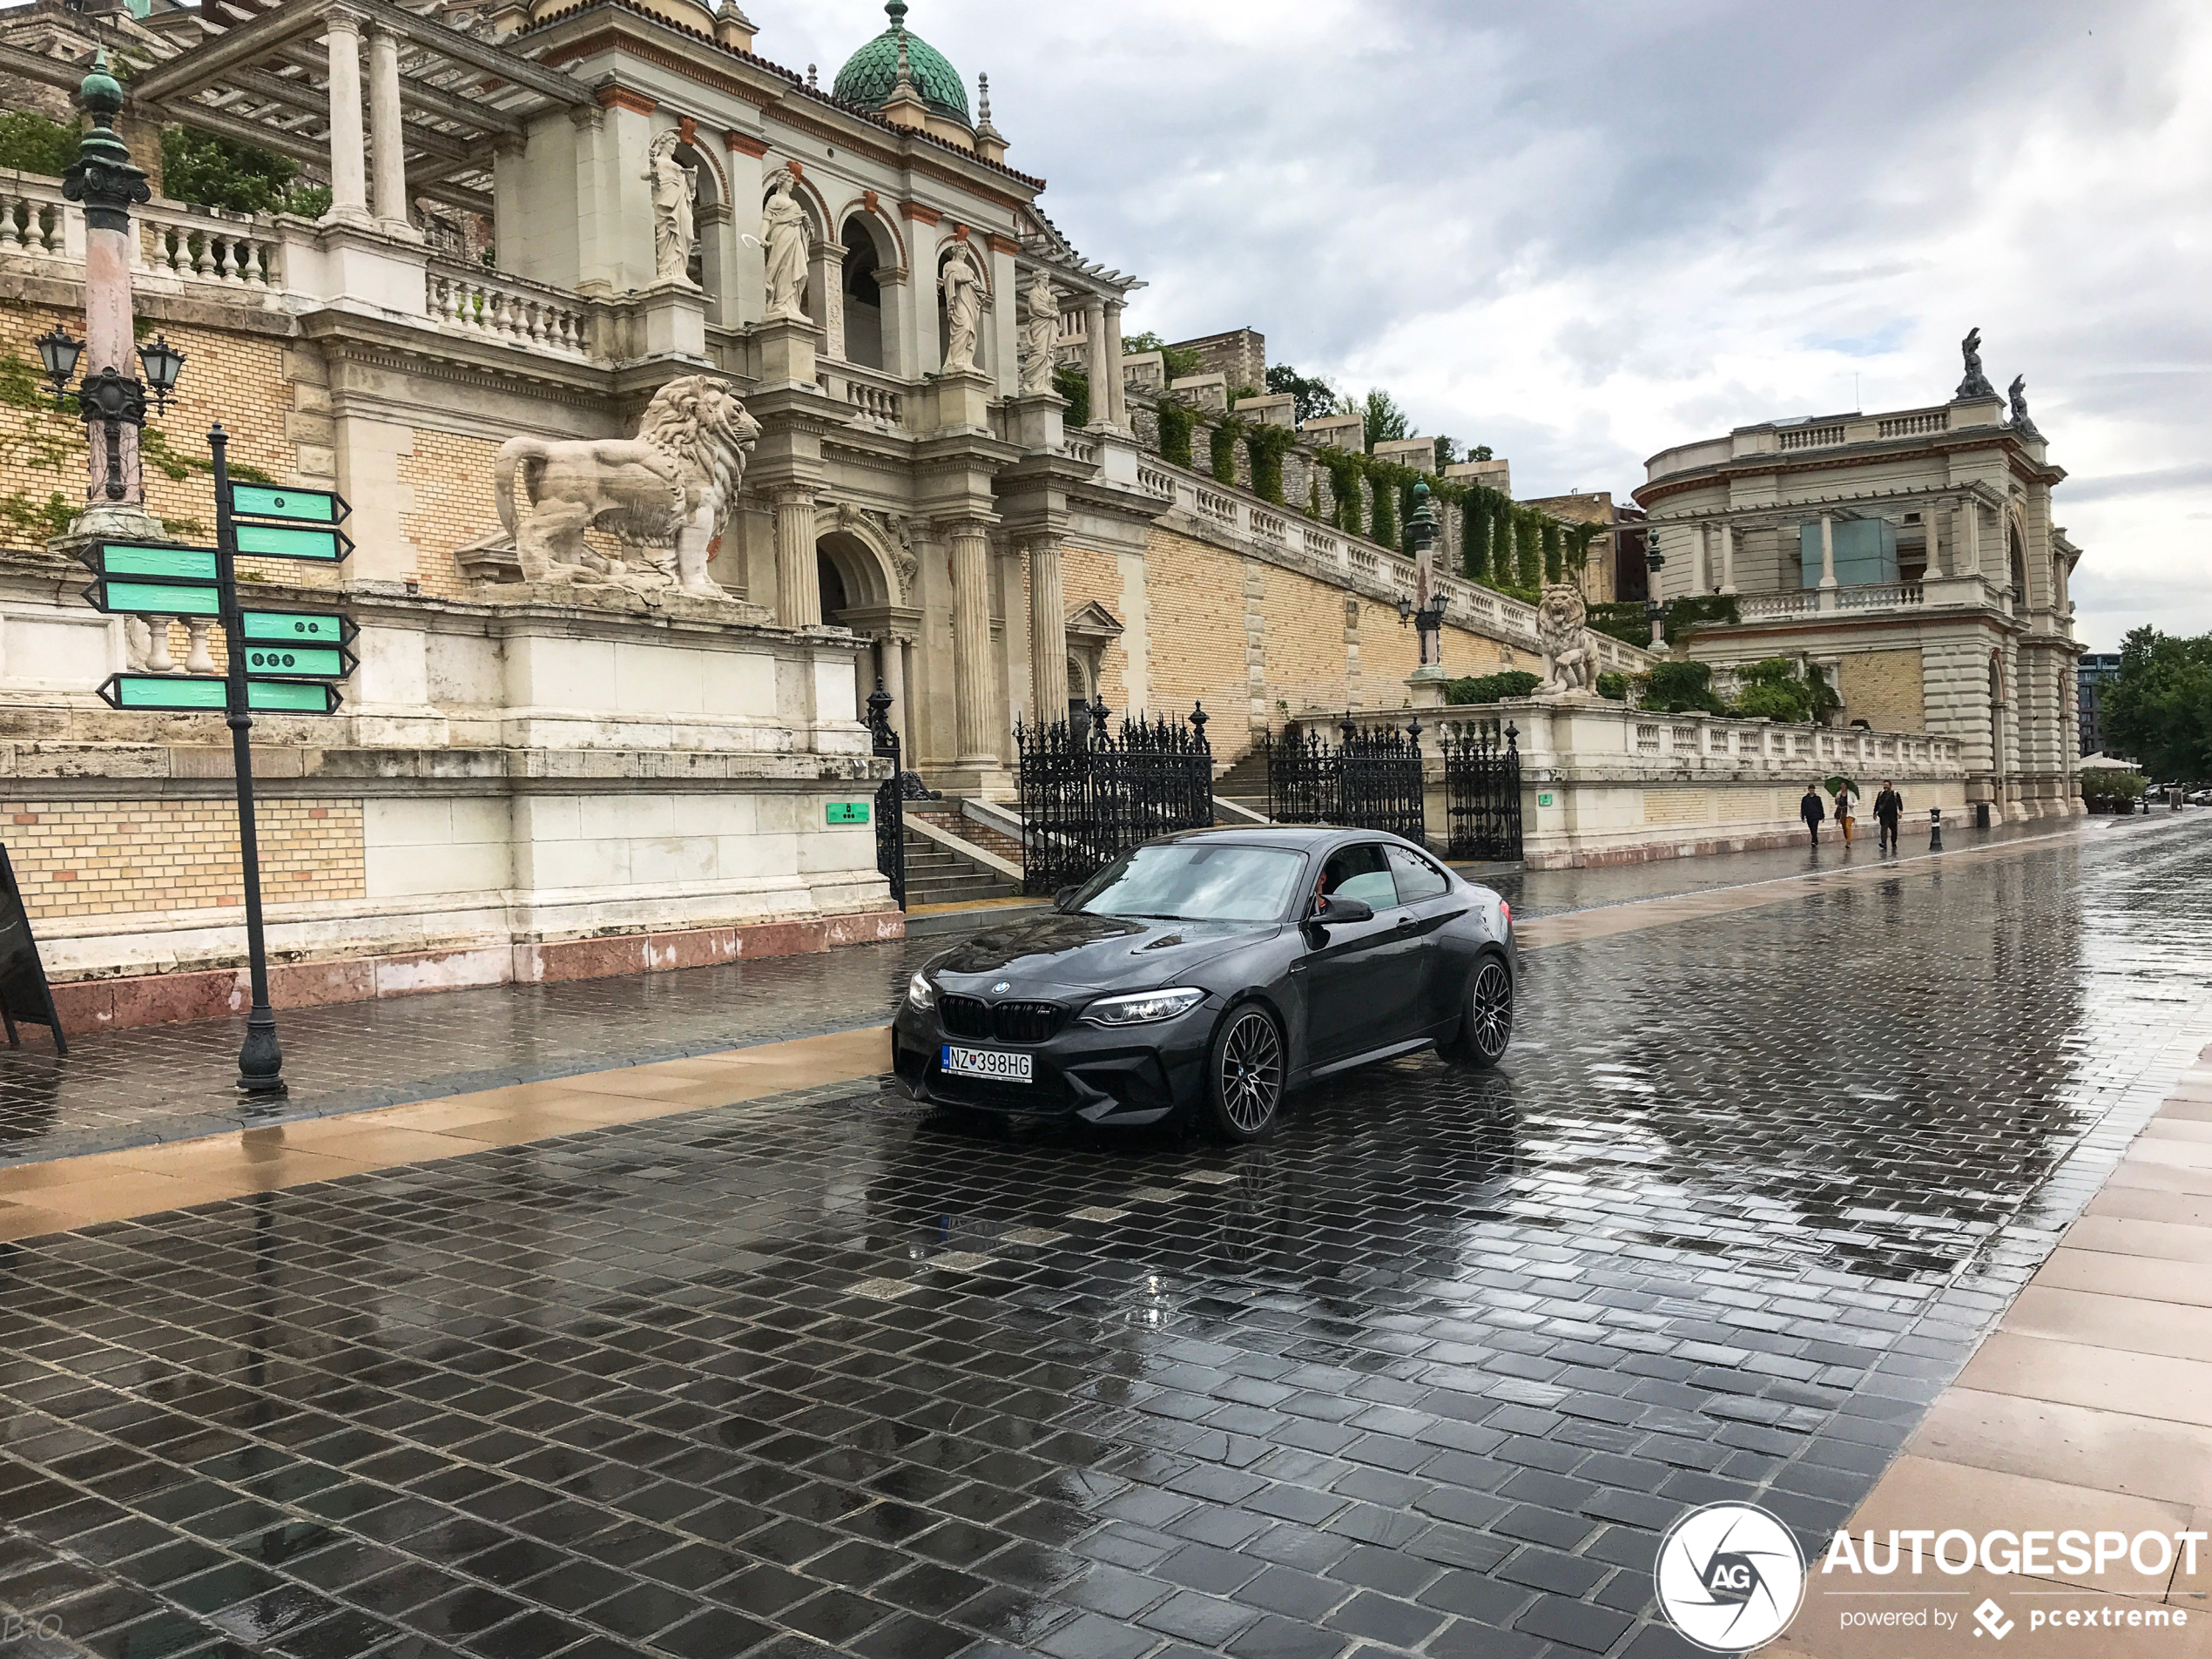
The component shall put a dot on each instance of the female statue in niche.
(1041, 335)
(676, 189)
(963, 311)
(783, 241)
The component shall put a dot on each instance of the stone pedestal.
(961, 401)
(1036, 422)
(1425, 686)
(674, 315)
(340, 260)
(788, 349)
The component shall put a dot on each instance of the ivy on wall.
(1178, 423)
(1221, 443)
(1074, 384)
(1264, 447)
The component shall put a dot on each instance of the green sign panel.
(298, 627)
(1543, 801)
(186, 694)
(276, 542)
(848, 811)
(311, 662)
(152, 598)
(291, 697)
(173, 691)
(302, 506)
(167, 563)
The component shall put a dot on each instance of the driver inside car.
(1360, 872)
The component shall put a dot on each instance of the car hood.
(1086, 953)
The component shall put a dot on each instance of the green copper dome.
(871, 72)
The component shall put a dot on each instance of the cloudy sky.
(1581, 233)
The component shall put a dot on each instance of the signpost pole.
(261, 1061)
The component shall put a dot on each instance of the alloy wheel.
(1251, 1072)
(1489, 1017)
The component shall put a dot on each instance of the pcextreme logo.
(1730, 1577)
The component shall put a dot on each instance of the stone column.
(387, 136)
(1970, 521)
(1102, 395)
(1701, 564)
(1117, 406)
(798, 587)
(348, 185)
(909, 726)
(890, 652)
(1047, 632)
(971, 551)
(1728, 558)
(1935, 557)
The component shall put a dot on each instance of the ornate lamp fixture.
(164, 362)
(58, 354)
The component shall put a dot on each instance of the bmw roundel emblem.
(1002, 988)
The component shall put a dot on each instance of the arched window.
(863, 298)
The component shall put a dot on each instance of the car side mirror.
(1340, 912)
(1061, 899)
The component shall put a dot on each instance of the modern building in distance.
(2093, 672)
(1912, 557)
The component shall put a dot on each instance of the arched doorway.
(863, 342)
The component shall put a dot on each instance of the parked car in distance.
(1214, 971)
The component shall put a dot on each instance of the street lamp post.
(1426, 610)
(1654, 612)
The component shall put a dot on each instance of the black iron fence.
(1371, 779)
(890, 798)
(1482, 792)
(1088, 794)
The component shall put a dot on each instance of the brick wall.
(1883, 689)
(95, 857)
(451, 477)
(1196, 594)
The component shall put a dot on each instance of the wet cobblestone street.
(1427, 1373)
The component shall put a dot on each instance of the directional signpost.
(280, 662)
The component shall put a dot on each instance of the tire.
(1246, 1069)
(1486, 1018)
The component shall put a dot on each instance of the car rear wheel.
(1486, 1020)
(1244, 1074)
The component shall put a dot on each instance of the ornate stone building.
(1912, 557)
(585, 738)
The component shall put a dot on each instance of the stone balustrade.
(872, 395)
(240, 249)
(36, 220)
(506, 308)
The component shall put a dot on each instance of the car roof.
(1302, 837)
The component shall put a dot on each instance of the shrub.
(2112, 783)
(1613, 685)
(1178, 423)
(1074, 384)
(1681, 688)
(31, 143)
(1492, 688)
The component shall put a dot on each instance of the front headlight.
(1143, 1008)
(920, 992)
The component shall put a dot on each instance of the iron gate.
(890, 798)
(1089, 795)
(1372, 779)
(1482, 793)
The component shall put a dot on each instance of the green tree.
(1447, 452)
(31, 143)
(1384, 420)
(1074, 384)
(1315, 397)
(2158, 710)
(1179, 360)
(209, 170)
(1480, 452)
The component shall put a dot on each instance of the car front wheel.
(1245, 1072)
(1486, 1018)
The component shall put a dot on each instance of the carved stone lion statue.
(1570, 649)
(665, 495)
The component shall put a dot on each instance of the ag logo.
(1730, 1577)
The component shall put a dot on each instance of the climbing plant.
(1177, 421)
(1222, 444)
(1074, 384)
(1264, 447)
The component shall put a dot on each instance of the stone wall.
(79, 858)
(1884, 688)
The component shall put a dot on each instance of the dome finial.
(898, 10)
(983, 99)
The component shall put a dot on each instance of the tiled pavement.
(166, 1082)
(1424, 1374)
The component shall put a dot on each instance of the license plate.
(989, 1063)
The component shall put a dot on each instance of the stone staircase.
(1245, 783)
(937, 874)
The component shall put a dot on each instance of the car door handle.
(1406, 924)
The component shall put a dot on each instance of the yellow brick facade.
(1194, 595)
(1884, 688)
(101, 856)
(450, 478)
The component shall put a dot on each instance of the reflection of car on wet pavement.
(1216, 970)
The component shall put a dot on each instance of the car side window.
(1417, 877)
(1360, 872)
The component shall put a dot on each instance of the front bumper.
(1134, 1074)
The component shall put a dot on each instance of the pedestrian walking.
(1846, 804)
(1889, 807)
(1813, 811)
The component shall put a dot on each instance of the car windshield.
(1185, 882)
